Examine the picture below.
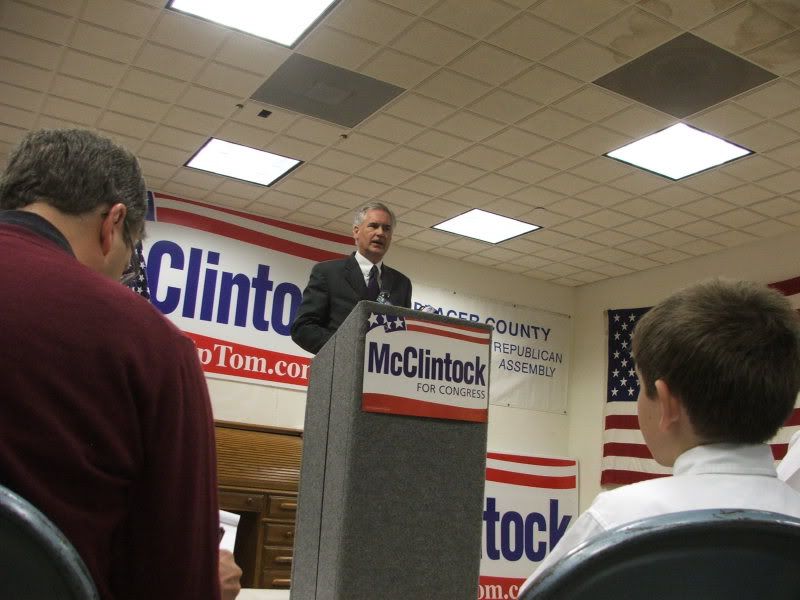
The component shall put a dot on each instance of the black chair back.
(36, 561)
(717, 554)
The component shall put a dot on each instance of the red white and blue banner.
(529, 502)
(414, 366)
(530, 348)
(232, 281)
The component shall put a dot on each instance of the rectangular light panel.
(486, 226)
(679, 151)
(280, 22)
(241, 162)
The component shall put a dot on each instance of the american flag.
(626, 458)
(138, 266)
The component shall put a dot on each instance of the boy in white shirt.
(719, 371)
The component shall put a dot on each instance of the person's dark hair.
(75, 171)
(730, 350)
(362, 212)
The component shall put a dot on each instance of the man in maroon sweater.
(105, 420)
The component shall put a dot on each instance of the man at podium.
(336, 286)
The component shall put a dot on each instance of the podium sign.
(425, 368)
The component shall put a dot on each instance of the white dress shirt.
(366, 267)
(711, 476)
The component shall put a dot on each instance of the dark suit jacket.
(334, 288)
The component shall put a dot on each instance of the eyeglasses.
(133, 272)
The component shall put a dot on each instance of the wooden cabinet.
(259, 472)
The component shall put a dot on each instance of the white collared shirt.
(366, 267)
(710, 476)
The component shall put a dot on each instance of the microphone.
(383, 298)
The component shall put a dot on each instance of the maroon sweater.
(105, 421)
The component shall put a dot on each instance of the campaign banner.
(530, 348)
(529, 502)
(418, 367)
(232, 282)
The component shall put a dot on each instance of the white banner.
(530, 348)
(528, 504)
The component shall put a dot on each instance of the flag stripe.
(448, 334)
(532, 460)
(385, 403)
(539, 481)
(626, 458)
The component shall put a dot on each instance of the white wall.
(765, 261)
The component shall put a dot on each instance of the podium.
(394, 454)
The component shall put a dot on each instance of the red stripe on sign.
(499, 587)
(787, 287)
(621, 449)
(484, 332)
(310, 231)
(447, 334)
(779, 450)
(622, 422)
(532, 460)
(566, 482)
(229, 358)
(621, 477)
(398, 405)
(794, 418)
(187, 219)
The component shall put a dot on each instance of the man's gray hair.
(75, 171)
(361, 214)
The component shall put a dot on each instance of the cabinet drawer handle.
(283, 582)
(282, 560)
(289, 534)
(288, 505)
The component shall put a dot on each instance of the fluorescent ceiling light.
(485, 226)
(241, 162)
(282, 22)
(679, 151)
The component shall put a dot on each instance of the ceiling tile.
(578, 15)
(234, 81)
(781, 57)
(419, 109)
(639, 247)
(497, 184)
(152, 85)
(517, 142)
(363, 187)
(783, 183)
(528, 171)
(553, 124)
(138, 106)
(567, 184)
(509, 208)
(764, 136)
(634, 32)
(431, 186)
(452, 88)
(640, 182)
(703, 228)
(724, 119)
(432, 42)
(67, 7)
(602, 169)
(560, 156)
(597, 140)
(489, 64)
(777, 207)
(365, 145)
(24, 119)
(343, 199)
(405, 198)
(455, 172)
(604, 196)
(729, 238)
(543, 85)
(476, 19)
(469, 125)
(585, 60)
(592, 104)
(638, 121)
(188, 34)
(369, 20)
(672, 218)
(30, 51)
(639, 207)
(639, 263)
(167, 61)
(18, 97)
(319, 175)
(105, 43)
(772, 99)
(675, 195)
(609, 238)
(341, 161)
(788, 155)
(572, 207)
(577, 228)
(119, 15)
(294, 148)
(769, 229)
(337, 48)
(531, 37)
(743, 28)
(484, 157)
(707, 207)
(686, 13)
(504, 106)
(386, 173)
(390, 128)
(607, 218)
(70, 111)
(398, 69)
(209, 101)
(545, 218)
(93, 68)
(251, 54)
(411, 159)
(739, 217)
(26, 76)
(314, 131)
(438, 143)
(190, 120)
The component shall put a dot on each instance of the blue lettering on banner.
(520, 535)
(419, 363)
(285, 297)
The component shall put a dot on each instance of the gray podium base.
(389, 506)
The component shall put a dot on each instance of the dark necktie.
(373, 289)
